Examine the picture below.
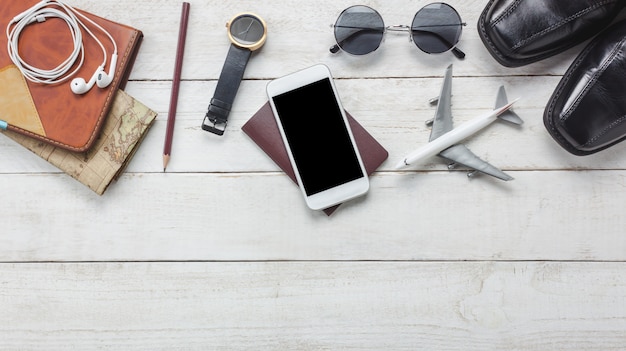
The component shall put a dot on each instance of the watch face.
(247, 30)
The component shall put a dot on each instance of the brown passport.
(53, 113)
(263, 130)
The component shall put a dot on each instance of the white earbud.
(104, 79)
(79, 86)
(58, 9)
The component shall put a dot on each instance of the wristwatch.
(247, 32)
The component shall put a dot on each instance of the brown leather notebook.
(53, 113)
(263, 130)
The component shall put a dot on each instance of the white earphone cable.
(39, 13)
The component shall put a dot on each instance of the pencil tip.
(166, 160)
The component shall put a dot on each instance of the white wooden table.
(220, 251)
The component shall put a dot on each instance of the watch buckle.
(212, 126)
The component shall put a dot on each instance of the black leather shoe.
(519, 32)
(587, 111)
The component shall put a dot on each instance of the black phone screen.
(318, 137)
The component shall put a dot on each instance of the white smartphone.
(318, 137)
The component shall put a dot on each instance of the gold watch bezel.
(254, 46)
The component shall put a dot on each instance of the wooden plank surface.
(220, 252)
(532, 218)
(313, 306)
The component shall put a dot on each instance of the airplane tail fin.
(508, 115)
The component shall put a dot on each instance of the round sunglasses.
(436, 28)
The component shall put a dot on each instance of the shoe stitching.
(549, 121)
(482, 27)
(561, 23)
(593, 80)
(506, 13)
(605, 130)
(494, 50)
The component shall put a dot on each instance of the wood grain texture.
(421, 216)
(221, 253)
(313, 306)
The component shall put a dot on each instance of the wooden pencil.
(171, 117)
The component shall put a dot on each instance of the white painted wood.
(220, 252)
(261, 216)
(465, 306)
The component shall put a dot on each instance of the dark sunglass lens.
(436, 28)
(359, 30)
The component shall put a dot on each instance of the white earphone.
(79, 86)
(38, 13)
(104, 79)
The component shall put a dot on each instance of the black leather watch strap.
(232, 73)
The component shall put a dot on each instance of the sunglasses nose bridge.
(400, 28)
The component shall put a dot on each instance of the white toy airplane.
(443, 139)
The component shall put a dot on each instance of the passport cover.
(53, 113)
(263, 130)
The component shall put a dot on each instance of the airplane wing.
(442, 122)
(462, 155)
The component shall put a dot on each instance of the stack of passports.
(91, 136)
(263, 130)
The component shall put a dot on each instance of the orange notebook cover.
(53, 113)
(263, 130)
